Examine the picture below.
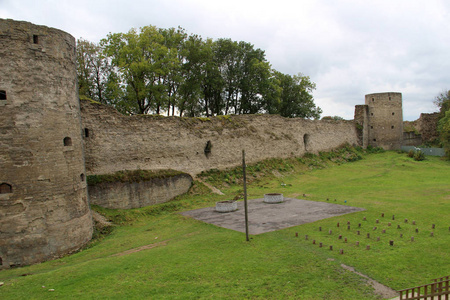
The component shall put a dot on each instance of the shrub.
(411, 153)
(419, 155)
(371, 149)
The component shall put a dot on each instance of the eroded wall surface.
(427, 126)
(116, 142)
(125, 195)
(44, 210)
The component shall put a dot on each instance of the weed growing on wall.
(132, 176)
(268, 167)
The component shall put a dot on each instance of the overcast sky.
(348, 48)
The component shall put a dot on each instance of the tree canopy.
(154, 70)
(442, 101)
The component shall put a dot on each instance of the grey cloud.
(349, 48)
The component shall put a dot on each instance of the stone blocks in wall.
(117, 142)
(361, 123)
(385, 120)
(125, 195)
(44, 209)
(411, 139)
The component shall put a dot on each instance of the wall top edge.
(21, 23)
(384, 93)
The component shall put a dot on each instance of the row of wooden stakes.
(341, 251)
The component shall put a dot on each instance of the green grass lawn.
(188, 259)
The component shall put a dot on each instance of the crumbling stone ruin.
(422, 130)
(46, 134)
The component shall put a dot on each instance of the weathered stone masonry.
(117, 142)
(125, 195)
(44, 211)
(380, 121)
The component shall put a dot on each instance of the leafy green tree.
(444, 132)
(141, 60)
(84, 68)
(296, 96)
(442, 101)
(153, 70)
(190, 88)
(211, 81)
(174, 40)
(93, 71)
(253, 72)
(226, 53)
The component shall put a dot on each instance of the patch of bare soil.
(146, 247)
(295, 195)
(213, 189)
(380, 289)
(277, 174)
(100, 221)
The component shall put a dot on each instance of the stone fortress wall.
(44, 209)
(50, 142)
(116, 142)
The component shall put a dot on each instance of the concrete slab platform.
(264, 217)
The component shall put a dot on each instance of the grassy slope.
(197, 260)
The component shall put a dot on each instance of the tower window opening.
(390, 98)
(371, 127)
(35, 39)
(86, 132)
(392, 127)
(373, 99)
(393, 113)
(67, 141)
(2, 95)
(374, 140)
(5, 188)
(371, 114)
(82, 177)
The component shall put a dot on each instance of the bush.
(411, 153)
(371, 149)
(419, 155)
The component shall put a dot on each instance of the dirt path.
(380, 289)
(213, 189)
(146, 247)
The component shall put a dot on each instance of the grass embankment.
(188, 259)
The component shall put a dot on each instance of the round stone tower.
(385, 120)
(44, 209)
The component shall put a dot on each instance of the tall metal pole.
(245, 195)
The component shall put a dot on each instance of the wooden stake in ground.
(245, 195)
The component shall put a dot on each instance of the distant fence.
(426, 151)
(439, 289)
